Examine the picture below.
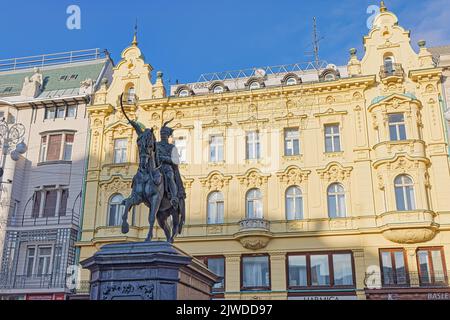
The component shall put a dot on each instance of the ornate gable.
(335, 172)
(293, 175)
(215, 181)
(253, 178)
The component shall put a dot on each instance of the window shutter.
(50, 203)
(63, 205)
(36, 204)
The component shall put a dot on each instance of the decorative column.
(232, 276)
(278, 275)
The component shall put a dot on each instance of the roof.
(63, 79)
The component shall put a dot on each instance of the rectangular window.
(253, 151)
(63, 203)
(43, 152)
(431, 266)
(44, 260)
(68, 144)
(216, 148)
(60, 112)
(298, 274)
(255, 272)
(71, 111)
(291, 142)
(181, 145)
(120, 150)
(29, 268)
(50, 203)
(393, 267)
(50, 113)
(36, 204)
(54, 147)
(217, 265)
(397, 129)
(332, 138)
(320, 270)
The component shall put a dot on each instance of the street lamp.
(11, 139)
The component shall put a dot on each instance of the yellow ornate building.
(303, 184)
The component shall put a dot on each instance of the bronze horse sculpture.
(149, 187)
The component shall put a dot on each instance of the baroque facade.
(302, 183)
(42, 192)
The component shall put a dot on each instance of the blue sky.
(190, 37)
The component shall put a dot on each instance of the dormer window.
(254, 85)
(131, 95)
(218, 89)
(330, 77)
(184, 93)
(291, 81)
(389, 67)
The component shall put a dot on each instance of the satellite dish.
(260, 73)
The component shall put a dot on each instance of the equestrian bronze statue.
(157, 182)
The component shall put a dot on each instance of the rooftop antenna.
(315, 45)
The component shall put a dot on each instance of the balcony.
(391, 71)
(253, 233)
(380, 280)
(44, 281)
(22, 221)
(388, 149)
(408, 226)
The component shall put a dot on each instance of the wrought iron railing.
(35, 281)
(251, 224)
(24, 221)
(382, 280)
(395, 70)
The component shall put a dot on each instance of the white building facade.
(42, 192)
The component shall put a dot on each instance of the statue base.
(147, 271)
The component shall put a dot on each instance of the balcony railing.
(379, 280)
(23, 221)
(44, 281)
(130, 98)
(254, 224)
(394, 70)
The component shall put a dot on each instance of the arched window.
(115, 210)
(131, 95)
(294, 203)
(184, 93)
(218, 89)
(330, 77)
(389, 64)
(254, 85)
(291, 81)
(404, 193)
(254, 206)
(215, 208)
(336, 201)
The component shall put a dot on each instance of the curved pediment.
(335, 172)
(253, 178)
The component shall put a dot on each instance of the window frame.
(431, 264)
(123, 151)
(404, 190)
(262, 288)
(286, 140)
(330, 254)
(332, 136)
(336, 195)
(184, 148)
(44, 146)
(217, 292)
(302, 213)
(397, 126)
(391, 252)
(261, 199)
(254, 143)
(216, 147)
(119, 205)
(36, 257)
(208, 201)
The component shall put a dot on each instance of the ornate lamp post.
(11, 140)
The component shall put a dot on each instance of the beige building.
(301, 183)
(42, 192)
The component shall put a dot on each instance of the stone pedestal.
(147, 271)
